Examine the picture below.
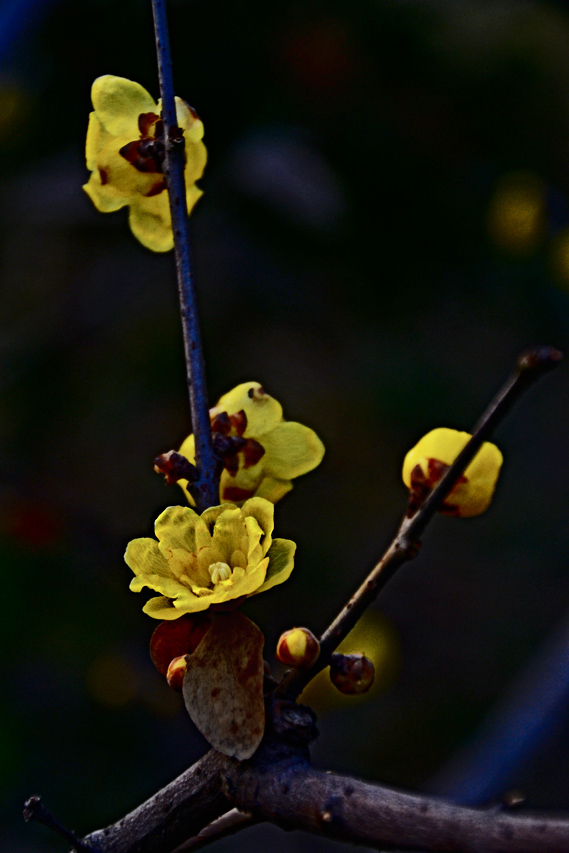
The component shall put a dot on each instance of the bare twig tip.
(34, 809)
(538, 359)
(30, 808)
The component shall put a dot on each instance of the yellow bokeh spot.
(559, 258)
(516, 214)
(374, 636)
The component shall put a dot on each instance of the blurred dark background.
(385, 225)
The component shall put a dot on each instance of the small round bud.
(176, 672)
(351, 674)
(298, 647)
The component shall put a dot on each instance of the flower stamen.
(219, 572)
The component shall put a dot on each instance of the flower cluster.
(125, 154)
(273, 452)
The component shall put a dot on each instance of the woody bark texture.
(170, 817)
(296, 796)
(292, 794)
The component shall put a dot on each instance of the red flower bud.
(176, 672)
(177, 637)
(298, 647)
(351, 674)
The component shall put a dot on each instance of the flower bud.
(298, 647)
(351, 674)
(176, 672)
(180, 636)
(175, 467)
(426, 463)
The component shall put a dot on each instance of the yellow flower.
(274, 451)
(425, 464)
(124, 151)
(225, 554)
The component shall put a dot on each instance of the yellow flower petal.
(150, 567)
(176, 527)
(281, 563)
(104, 196)
(273, 489)
(161, 608)
(97, 138)
(149, 220)
(291, 449)
(118, 102)
(188, 120)
(188, 449)
(193, 193)
(263, 512)
(196, 158)
(255, 551)
(229, 532)
(122, 176)
(238, 558)
(187, 602)
(210, 515)
(263, 412)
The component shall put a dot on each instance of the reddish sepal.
(177, 637)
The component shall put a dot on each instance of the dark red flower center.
(147, 153)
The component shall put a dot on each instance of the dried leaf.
(223, 685)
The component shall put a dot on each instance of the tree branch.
(296, 796)
(530, 365)
(179, 810)
(292, 794)
(205, 490)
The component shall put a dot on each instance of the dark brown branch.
(529, 367)
(167, 819)
(292, 794)
(296, 796)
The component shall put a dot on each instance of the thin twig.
(228, 824)
(205, 489)
(35, 810)
(529, 367)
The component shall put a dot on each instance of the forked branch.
(530, 365)
(292, 794)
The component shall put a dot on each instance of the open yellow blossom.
(425, 464)
(225, 554)
(124, 151)
(274, 451)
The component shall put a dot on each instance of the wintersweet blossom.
(425, 464)
(273, 453)
(125, 152)
(196, 561)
